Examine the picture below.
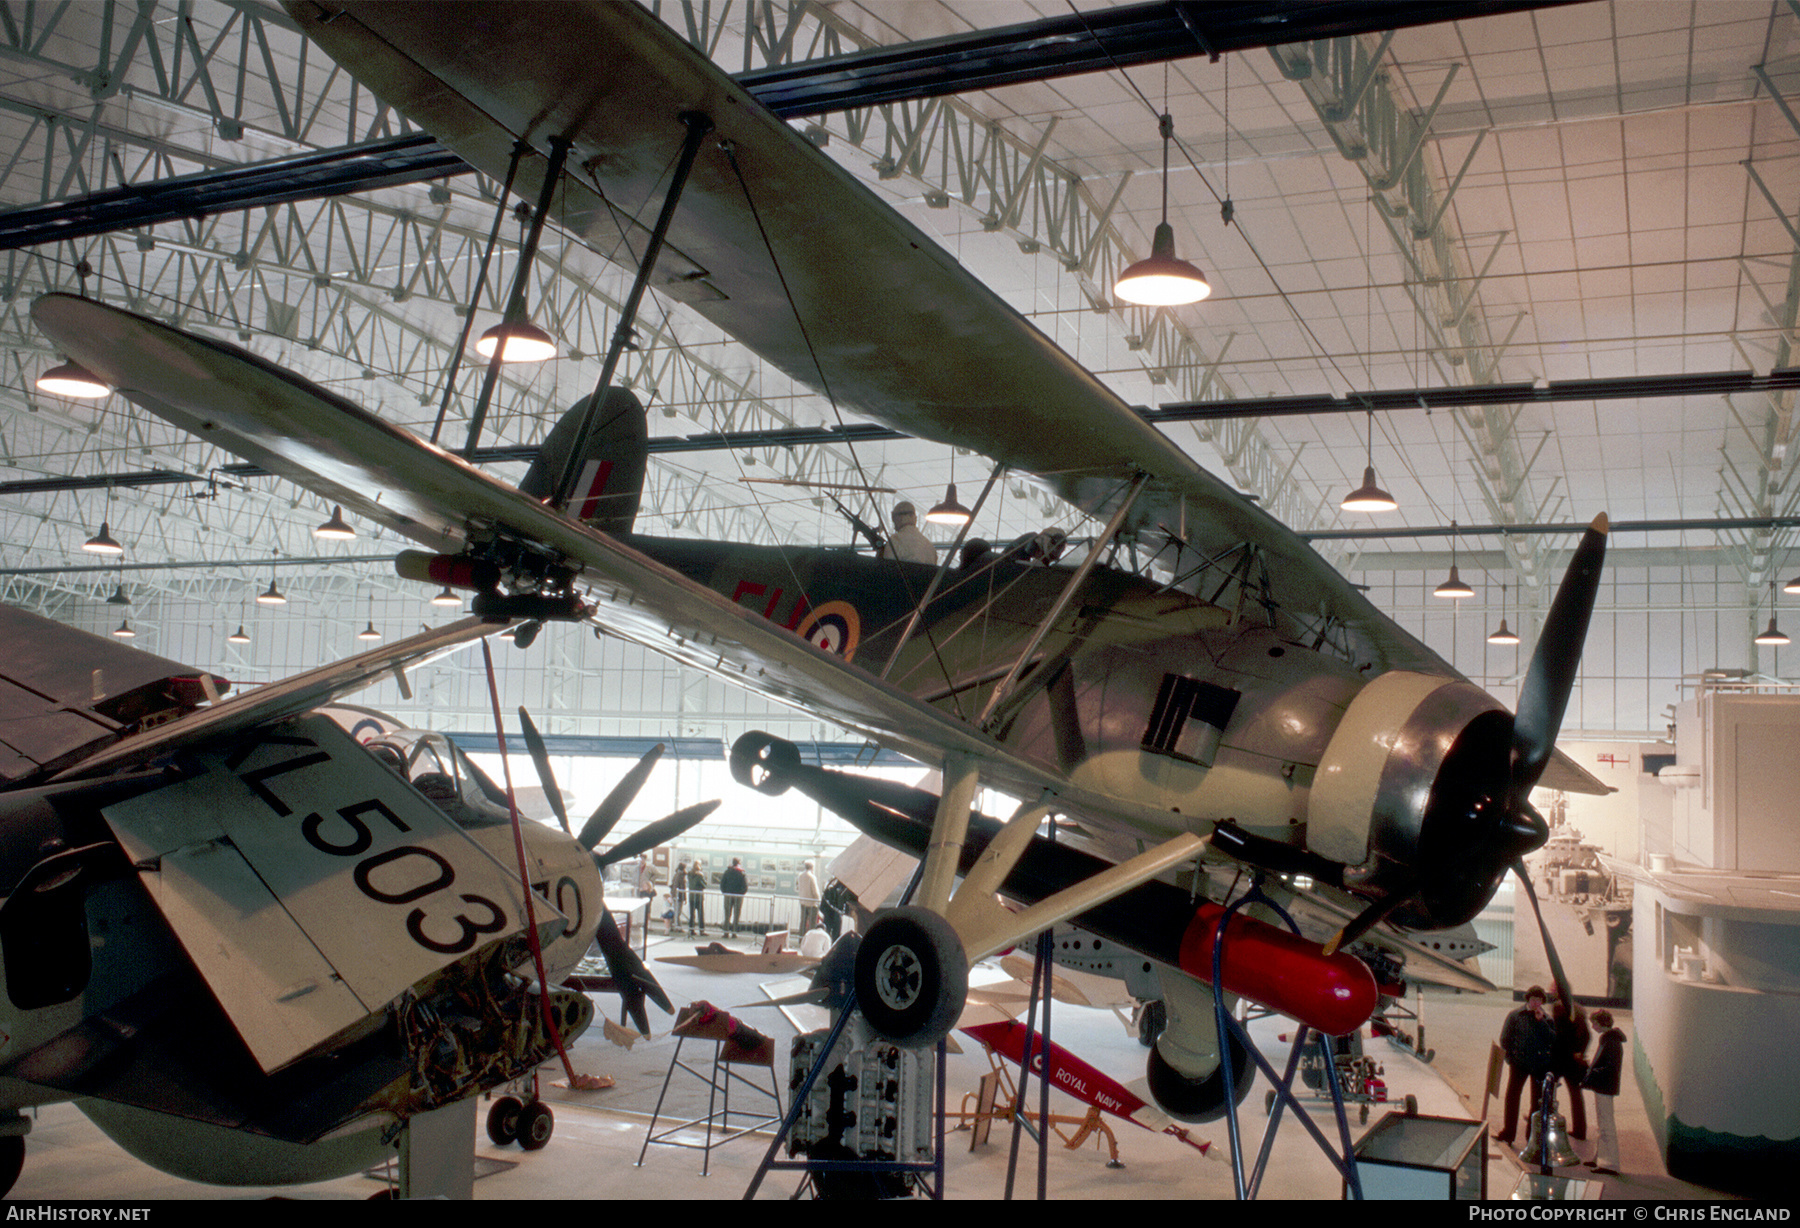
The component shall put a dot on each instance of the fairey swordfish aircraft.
(1247, 710)
(248, 946)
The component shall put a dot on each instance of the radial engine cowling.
(1412, 797)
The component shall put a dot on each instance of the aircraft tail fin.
(609, 479)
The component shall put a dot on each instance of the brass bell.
(1553, 1151)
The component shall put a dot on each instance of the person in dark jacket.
(1572, 1037)
(1528, 1039)
(1603, 1080)
(733, 886)
(696, 885)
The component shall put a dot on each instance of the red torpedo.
(1287, 973)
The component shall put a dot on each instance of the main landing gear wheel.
(503, 1120)
(912, 977)
(1199, 1099)
(536, 1124)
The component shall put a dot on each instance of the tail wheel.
(536, 1124)
(912, 977)
(503, 1120)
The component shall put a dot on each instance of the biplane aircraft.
(1246, 708)
(247, 946)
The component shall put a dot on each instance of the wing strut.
(1062, 602)
(931, 589)
(698, 125)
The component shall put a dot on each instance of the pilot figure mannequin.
(906, 543)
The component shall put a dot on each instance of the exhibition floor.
(599, 1135)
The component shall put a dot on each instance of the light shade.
(102, 542)
(118, 597)
(1772, 637)
(238, 636)
(1453, 588)
(1792, 586)
(71, 379)
(1369, 497)
(950, 511)
(335, 529)
(447, 596)
(1503, 634)
(271, 595)
(1160, 279)
(124, 631)
(369, 632)
(517, 339)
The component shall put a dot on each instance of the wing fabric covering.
(911, 339)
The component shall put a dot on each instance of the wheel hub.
(899, 977)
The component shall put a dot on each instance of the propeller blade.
(652, 834)
(613, 807)
(1544, 694)
(534, 742)
(1556, 968)
(1370, 917)
(634, 980)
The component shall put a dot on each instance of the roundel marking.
(372, 728)
(834, 627)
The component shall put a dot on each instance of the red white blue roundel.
(834, 627)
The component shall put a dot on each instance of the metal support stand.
(1341, 1159)
(718, 1106)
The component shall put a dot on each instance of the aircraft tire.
(12, 1161)
(1150, 1022)
(536, 1124)
(1196, 1100)
(912, 977)
(503, 1120)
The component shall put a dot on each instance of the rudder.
(609, 479)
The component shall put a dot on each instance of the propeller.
(634, 980)
(1479, 822)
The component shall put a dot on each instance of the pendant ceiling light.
(124, 631)
(1772, 636)
(336, 529)
(102, 542)
(517, 338)
(950, 511)
(1792, 586)
(239, 636)
(369, 632)
(118, 597)
(1162, 279)
(1369, 497)
(71, 379)
(271, 595)
(447, 596)
(1503, 634)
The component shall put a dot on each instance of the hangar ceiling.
(1591, 191)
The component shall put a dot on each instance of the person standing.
(677, 895)
(1528, 1039)
(1572, 1037)
(733, 885)
(806, 889)
(696, 900)
(1603, 1080)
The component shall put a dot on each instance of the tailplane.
(609, 478)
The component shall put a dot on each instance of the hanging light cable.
(1162, 279)
(1369, 497)
(1502, 634)
(369, 632)
(1771, 636)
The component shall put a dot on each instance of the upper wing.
(893, 325)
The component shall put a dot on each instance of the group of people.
(1544, 1044)
(687, 894)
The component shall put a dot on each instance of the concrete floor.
(599, 1134)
